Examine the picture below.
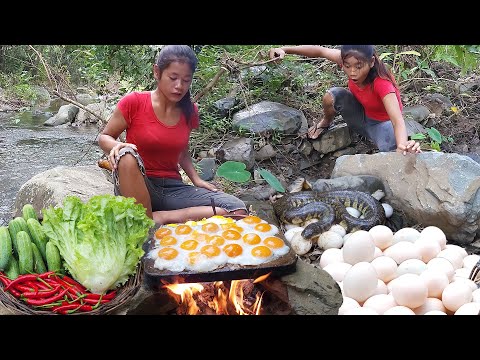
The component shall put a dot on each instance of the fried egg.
(266, 229)
(169, 258)
(277, 245)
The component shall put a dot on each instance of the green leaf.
(418, 136)
(435, 135)
(272, 180)
(435, 146)
(234, 171)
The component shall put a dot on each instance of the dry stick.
(210, 85)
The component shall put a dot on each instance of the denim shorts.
(172, 194)
(353, 113)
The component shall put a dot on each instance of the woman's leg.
(129, 179)
(328, 114)
(382, 134)
(175, 202)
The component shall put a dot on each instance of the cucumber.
(38, 263)
(25, 253)
(12, 270)
(38, 236)
(29, 212)
(14, 226)
(5, 247)
(54, 261)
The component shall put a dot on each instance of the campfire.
(235, 297)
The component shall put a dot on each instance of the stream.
(27, 148)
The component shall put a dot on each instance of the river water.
(27, 148)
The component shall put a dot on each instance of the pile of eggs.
(408, 272)
(214, 242)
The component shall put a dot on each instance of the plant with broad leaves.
(431, 140)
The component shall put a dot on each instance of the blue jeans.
(353, 113)
(173, 194)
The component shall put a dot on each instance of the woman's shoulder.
(381, 83)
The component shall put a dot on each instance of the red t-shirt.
(158, 144)
(371, 99)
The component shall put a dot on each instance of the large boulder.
(52, 186)
(430, 188)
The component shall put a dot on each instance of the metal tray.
(155, 277)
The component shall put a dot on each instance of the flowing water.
(27, 148)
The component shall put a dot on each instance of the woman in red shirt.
(158, 125)
(371, 106)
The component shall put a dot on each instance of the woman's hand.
(113, 155)
(411, 146)
(276, 53)
(204, 184)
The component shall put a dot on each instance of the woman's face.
(357, 69)
(175, 80)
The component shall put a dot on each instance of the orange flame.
(219, 304)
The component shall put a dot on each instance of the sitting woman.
(158, 125)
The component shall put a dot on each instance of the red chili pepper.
(5, 280)
(86, 308)
(41, 294)
(32, 284)
(67, 309)
(43, 301)
(23, 288)
(14, 292)
(69, 280)
(22, 279)
(107, 296)
(96, 302)
(66, 285)
(42, 286)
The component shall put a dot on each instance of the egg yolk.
(263, 227)
(233, 250)
(210, 227)
(252, 219)
(168, 240)
(261, 251)
(274, 242)
(200, 237)
(216, 240)
(231, 234)
(183, 230)
(251, 239)
(210, 250)
(194, 257)
(168, 253)
(161, 232)
(189, 245)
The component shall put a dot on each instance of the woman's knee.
(128, 163)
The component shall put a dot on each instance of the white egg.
(409, 290)
(461, 250)
(436, 281)
(381, 288)
(476, 296)
(388, 210)
(470, 261)
(405, 234)
(359, 247)
(360, 281)
(331, 256)
(347, 304)
(352, 211)
(290, 232)
(468, 282)
(442, 265)
(453, 256)
(360, 311)
(435, 233)
(377, 253)
(382, 236)
(455, 295)
(330, 239)
(380, 303)
(300, 245)
(429, 305)
(402, 251)
(428, 248)
(385, 267)
(411, 266)
(399, 310)
(339, 229)
(435, 312)
(471, 308)
(337, 270)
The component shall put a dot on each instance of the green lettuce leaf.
(101, 240)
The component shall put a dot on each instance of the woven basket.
(124, 294)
